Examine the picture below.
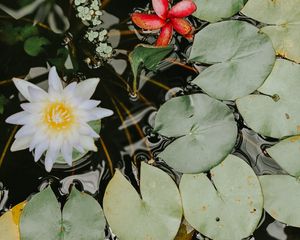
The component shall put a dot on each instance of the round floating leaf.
(155, 215)
(226, 206)
(286, 153)
(284, 16)
(33, 46)
(281, 198)
(275, 112)
(83, 218)
(216, 10)
(41, 217)
(205, 130)
(242, 59)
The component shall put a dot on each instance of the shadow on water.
(126, 138)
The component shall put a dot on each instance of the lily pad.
(82, 218)
(154, 214)
(227, 205)
(282, 197)
(284, 19)
(9, 223)
(204, 128)
(216, 10)
(147, 56)
(33, 46)
(240, 56)
(286, 153)
(275, 112)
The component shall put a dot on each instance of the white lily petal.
(88, 143)
(39, 150)
(99, 113)
(54, 81)
(70, 89)
(19, 118)
(50, 159)
(33, 107)
(86, 129)
(20, 144)
(89, 104)
(37, 139)
(22, 86)
(86, 88)
(26, 130)
(37, 94)
(66, 151)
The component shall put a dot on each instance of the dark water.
(126, 138)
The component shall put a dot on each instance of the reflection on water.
(127, 137)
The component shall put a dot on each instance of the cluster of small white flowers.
(96, 35)
(89, 11)
(104, 50)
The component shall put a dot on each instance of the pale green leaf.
(83, 218)
(204, 128)
(282, 197)
(226, 207)
(286, 153)
(275, 112)
(41, 217)
(284, 19)
(242, 59)
(216, 10)
(155, 215)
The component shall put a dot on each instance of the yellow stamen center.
(59, 116)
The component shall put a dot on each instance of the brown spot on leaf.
(287, 116)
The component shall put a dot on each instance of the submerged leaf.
(205, 130)
(225, 206)
(282, 197)
(216, 10)
(284, 19)
(155, 215)
(33, 46)
(3, 102)
(148, 56)
(275, 112)
(242, 59)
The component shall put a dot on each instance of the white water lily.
(57, 122)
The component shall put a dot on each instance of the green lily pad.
(155, 215)
(282, 197)
(241, 59)
(205, 130)
(147, 56)
(82, 218)
(275, 112)
(286, 153)
(284, 18)
(226, 206)
(216, 10)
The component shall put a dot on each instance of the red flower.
(167, 20)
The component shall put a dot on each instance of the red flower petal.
(161, 8)
(147, 21)
(189, 37)
(182, 26)
(165, 35)
(182, 9)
